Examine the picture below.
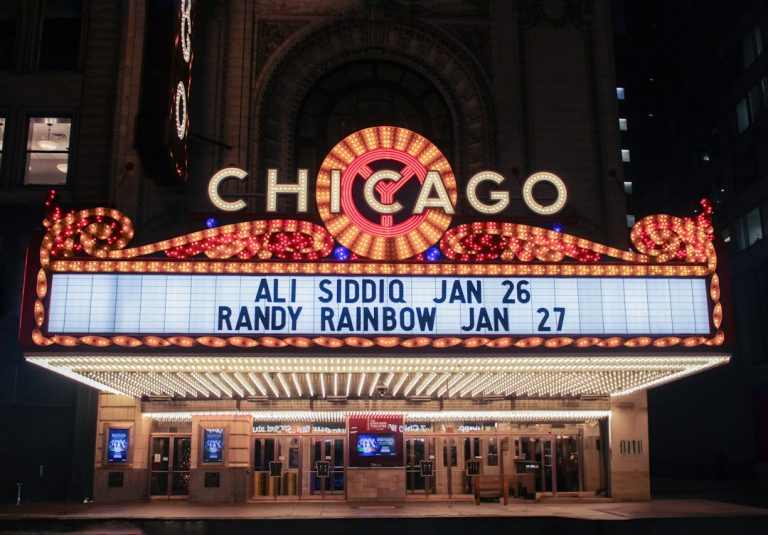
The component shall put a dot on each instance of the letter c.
(213, 189)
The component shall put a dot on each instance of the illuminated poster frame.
(118, 445)
(213, 445)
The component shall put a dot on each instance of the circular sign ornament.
(380, 219)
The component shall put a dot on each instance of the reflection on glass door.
(417, 450)
(329, 449)
(169, 466)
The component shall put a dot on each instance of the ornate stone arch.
(315, 50)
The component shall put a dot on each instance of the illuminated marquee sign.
(385, 269)
(364, 175)
(317, 305)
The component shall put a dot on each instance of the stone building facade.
(515, 87)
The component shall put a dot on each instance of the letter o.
(556, 182)
(181, 110)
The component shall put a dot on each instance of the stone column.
(629, 470)
(132, 485)
(228, 481)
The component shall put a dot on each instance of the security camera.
(381, 388)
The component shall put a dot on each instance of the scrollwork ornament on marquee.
(658, 239)
(95, 232)
(104, 232)
(667, 238)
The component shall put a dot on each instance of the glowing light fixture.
(341, 253)
(410, 416)
(464, 377)
(432, 254)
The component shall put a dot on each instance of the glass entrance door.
(473, 453)
(169, 466)
(264, 452)
(451, 477)
(535, 457)
(568, 463)
(283, 449)
(417, 450)
(329, 449)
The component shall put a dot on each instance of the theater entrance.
(418, 449)
(326, 466)
(530, 464)
(276, 462)
(169, 463)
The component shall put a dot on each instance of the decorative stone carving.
(450, 67)
(270, 34)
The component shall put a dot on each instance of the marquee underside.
(401, 378)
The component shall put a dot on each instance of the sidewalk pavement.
(596, 510)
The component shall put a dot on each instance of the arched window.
(369, 93)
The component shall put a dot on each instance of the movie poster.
(117, 446)
(213, 445)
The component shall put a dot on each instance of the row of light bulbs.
(409, 416)
(288, 382)
(317, 364)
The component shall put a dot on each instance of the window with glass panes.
(47, 162)
(59, 35)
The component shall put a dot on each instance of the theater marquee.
(384, 270)
(317, 305)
